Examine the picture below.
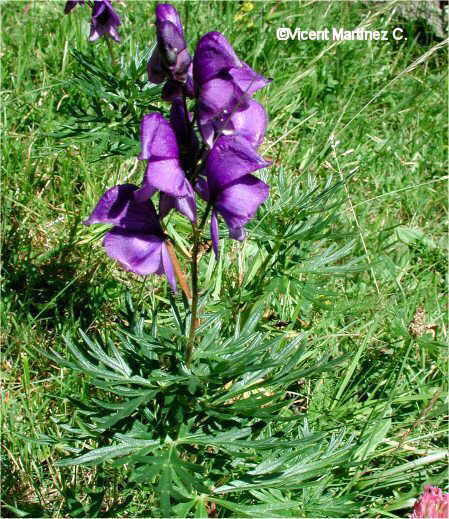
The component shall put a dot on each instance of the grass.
(371, 108)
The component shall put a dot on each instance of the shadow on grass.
(57, 291)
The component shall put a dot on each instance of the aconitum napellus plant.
(207, 149)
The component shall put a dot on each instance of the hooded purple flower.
(104, 21)
(136, 240)
(164, 173)
(249, 123)
(235, 194)
(71, 4)
(225, 85)
(215, 58)
(170, 59)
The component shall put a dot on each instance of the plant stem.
(194, 322)
(111, 51)
(194, 307)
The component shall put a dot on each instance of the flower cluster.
(104, 21)
(208, 151)
(432, 504)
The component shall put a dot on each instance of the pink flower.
(432, 504)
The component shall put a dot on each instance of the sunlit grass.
(356, 107)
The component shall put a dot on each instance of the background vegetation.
(376, 111)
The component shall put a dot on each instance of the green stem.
(194, 306)
(111, 51)
(194, 322)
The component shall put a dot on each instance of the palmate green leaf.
(96, 456)
(114, 361)
(249, 326)
(258, 405)
(201, 511)
(106, 104)
(246, 354)
(235, 438)
(123, 410)
(85, 365)
(217, 440)
(148, 467)
(174, 481)
(296, 469)
(186, 478)
(270, 380)
(165, 486)
(281, 509)
(182, 509)
(230, 346)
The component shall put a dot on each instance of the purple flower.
(104, 21)
(170, 59)
(71, 4)
(185, 136)
(225, 85)
(136, 240)
(235, 194)
(215, 58)
(218, 100)
(432, 504)
(159, 147)
(249, 123)
(174, 90)
(185, 205)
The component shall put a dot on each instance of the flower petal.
(168, 267)
(202, 188)
(433, 503)
(170, 42)
(213, 55)
(185, 205)
(119, 207)
(207, 131)
(180, 69)
(237, 233)
(104, 21)
(251, 123)
(144, 193)
(239, 201)
(157, 138)
(185, 136)
(113, 33)
(231, 158)
(172, 91)
(167, 13)
(71, 4)
(171, 59)
(156, 73)
(166, 176)
(219, 98)
(247, 79)
(137, 252)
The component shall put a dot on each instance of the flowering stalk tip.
(207, 150)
